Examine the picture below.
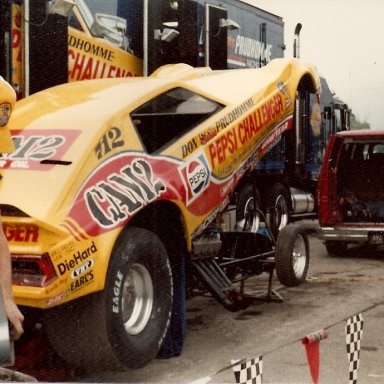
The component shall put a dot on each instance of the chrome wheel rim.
(252, 216)
(281, 212)
(137, 299)
(299, 256)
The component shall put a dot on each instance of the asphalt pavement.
(336, 289)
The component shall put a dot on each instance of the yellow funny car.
(111, 181)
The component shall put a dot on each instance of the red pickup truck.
(351, 190)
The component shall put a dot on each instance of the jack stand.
(270, 295)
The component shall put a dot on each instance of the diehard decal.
(77, 259)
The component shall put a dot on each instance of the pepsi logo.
(197, 176)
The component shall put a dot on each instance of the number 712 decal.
(34, 146)
(111, 140)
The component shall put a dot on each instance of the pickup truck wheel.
(246, 207)
(278, 200)
(336, 248)
(125, 324)
(292, 255)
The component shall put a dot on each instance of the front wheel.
(292, 255)
(125, 324)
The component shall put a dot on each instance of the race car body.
(113, 179)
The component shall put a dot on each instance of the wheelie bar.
(218, 282)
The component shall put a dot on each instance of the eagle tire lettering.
(139, 265)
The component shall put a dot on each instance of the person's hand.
(15, 317)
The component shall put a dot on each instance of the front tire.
(125, 324)
(292, 255)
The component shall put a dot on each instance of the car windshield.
(170, 115)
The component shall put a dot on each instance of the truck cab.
(351, 190)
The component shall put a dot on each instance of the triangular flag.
(312, 349)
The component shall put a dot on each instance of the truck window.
(120, 22)
(378, 148)
(170, 115)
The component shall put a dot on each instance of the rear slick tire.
(124, 325)
(292, 255)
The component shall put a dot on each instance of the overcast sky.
(345, 41)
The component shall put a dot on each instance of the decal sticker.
(34, 146)
(61, 250)
(127, 182)
(21, 232)
(315, 121)
(90, 58)
(82, 281)
(188, 148)
(275, 136)
(111, 140)
(196, 177)
(111, 201)
(207, 135)
(55, 299)
(82, 269)
(235, 114)
(283, 89)
(235, 141)
(244, 51)
(77, 260)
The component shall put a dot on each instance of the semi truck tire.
(292, 255)
(336, 248)
(246, 204)
(278, 200)
(125, 324)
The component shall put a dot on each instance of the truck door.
(215, 37)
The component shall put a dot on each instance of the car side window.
(170, 115)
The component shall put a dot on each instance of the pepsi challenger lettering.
(227, 144)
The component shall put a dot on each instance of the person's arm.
(13, 313)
